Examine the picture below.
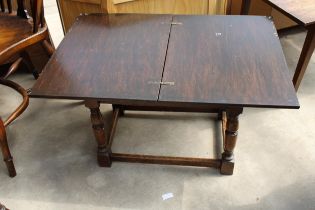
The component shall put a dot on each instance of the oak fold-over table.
(212, 64)
(303, 13)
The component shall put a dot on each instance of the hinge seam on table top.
(168, 42)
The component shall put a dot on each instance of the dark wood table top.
(302, 11)
(208, 60)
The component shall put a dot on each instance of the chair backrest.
(36, 10)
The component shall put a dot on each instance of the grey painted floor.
(54, 150)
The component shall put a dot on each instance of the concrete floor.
(54, 153)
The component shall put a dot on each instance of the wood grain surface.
(302, 11)
(210, 60)
(13, 29)
(114, 56)
(231, 60)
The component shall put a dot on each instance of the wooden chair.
(3, 138)
(18, 31)
(2, 207)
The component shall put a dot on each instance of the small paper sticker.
(167, 196)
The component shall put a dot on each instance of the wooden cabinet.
(70, 9)
(160, 6)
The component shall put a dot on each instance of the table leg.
(104, 151)
(121, 110)
(305, 57)
(230, 137)
(245, 7)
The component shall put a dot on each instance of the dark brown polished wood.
(169, 63)
(235, 72)
(104, 151)
(302, 12)
(122, 67)
(230, 126)
(117, 50)
(199, 162)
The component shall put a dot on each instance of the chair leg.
(21, 12)
(48, 47)
(2, 6)
(13, 68)
(9, 3)
(6, 151)
(29, 64)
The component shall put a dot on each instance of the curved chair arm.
(41, 35)
(23, 105)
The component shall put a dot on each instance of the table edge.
(137, 102)
(298, 21)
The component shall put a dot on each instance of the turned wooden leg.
(305, 57)
(104, 150)
(245, 7)
(230, 137)
(5, 151)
